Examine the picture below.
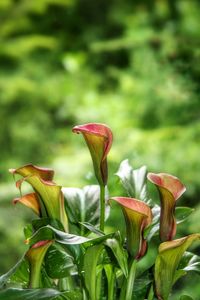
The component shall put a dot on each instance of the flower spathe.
(99, 140)
(48, 199)
(167, 261)
(170, 189)
(137, 216)
(35, 256)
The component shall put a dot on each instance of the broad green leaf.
(99, 141)
(38, 223)
(71, 241)
(190, 262)
(29, 294)
(91, 258)
(49, 232)
(167, 261)
(111, 276)
(21, 275)
(182, 213)
(58, 262)
(134, 181)
(120, 254)
(83, 205)
(93, 229)
(5, 277)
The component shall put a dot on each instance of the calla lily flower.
(30, 200)
(170, 189)
(35, 256)
(137, 216)
(167, 261)
(49, 195)
(99, 140)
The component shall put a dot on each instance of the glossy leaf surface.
(40, 294)
(83, 205)
(134, 181)
(91, 258)
(58, 262)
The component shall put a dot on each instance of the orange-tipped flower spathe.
(137, 216)
(99, 140)
(170, 189)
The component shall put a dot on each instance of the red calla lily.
(137, 216)
(99, 140)
(170, 189)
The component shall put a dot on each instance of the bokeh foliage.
(133, 65)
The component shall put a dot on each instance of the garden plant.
(71, 255)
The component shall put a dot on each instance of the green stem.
(130, 281)
(151, 293)
(102, 207)
(35, 277)
(111, 286)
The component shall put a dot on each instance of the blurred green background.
(134, 65)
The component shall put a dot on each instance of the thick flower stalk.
(170, 189)
(167, 261)
(99, 141)
(47, 199)
(137, 216)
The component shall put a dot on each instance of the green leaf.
(28, 294)
(110, 275)
(83, 205)
(134, 181)
(71, 241)
(93, 229)
(38, 223)
(91, 258)
(5, 277)
(190, 262)
(182, 213)
(22, 274)
(58, 262)
(120, 254)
